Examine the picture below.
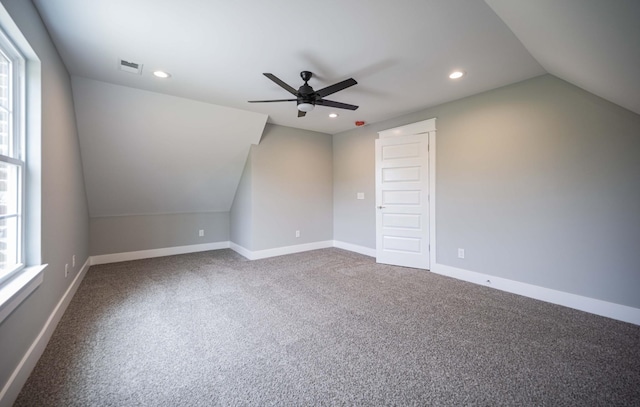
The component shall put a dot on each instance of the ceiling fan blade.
(277, 100)
(301, 113)
(281, 83)
(331, 103)
(335, 88)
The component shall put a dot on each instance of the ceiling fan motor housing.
(306, 96)
(306, 92)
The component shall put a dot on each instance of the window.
(12, 162)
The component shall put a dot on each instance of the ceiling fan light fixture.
(305, 107)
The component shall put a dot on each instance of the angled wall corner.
(148, 153)
(287, 186)
(241, 214)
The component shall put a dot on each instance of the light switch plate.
(360, 195)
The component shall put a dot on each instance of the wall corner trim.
(19, 377)
(242, 251)
(591, 305)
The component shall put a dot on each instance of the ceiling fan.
(307, 98)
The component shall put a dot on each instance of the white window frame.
(16, 156)
(17, 283)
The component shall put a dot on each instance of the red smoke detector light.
(359, 123)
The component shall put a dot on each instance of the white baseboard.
(587, 304)
(355, 248)
(147, 254)
(279, 251)
(21, 373)
(246, 253)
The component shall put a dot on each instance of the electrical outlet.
(201, 232)
(73, 260)
(66, 270)
(297, 233)
(461, 253)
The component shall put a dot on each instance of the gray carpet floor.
(327, 327)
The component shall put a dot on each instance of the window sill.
(16, 290)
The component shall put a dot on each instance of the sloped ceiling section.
(150, 153)
(592, 44)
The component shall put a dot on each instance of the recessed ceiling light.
(456, 74)
(161, 74)
(333, 115)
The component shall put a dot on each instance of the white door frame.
(425, 126)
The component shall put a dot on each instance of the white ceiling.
(162, 150)
(399, 51)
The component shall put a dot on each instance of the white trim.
(21, 373)
(280, 251)
(166, 251)
(432, 197)
(246, 253)
(423, 126)
(355, 248)
(19, 288)
(591, 305)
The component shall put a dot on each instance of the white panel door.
(402, 200)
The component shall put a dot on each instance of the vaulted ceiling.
(592, 44)
(400, 52)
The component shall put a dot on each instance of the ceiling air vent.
(131, 67)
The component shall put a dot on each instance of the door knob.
(381, 207)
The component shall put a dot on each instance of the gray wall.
(354, 167)
(539, 182)
(64, 227)
(241, 222)
(147, 153)
(289, 186)
(119, 234)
